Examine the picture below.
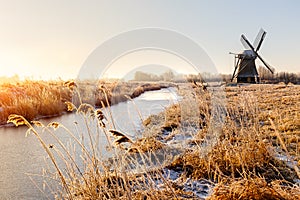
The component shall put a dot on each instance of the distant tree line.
(287, 77)
(142, 76)
(265, 77)
(170, 76)
(205, 77)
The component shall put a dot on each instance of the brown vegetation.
(261, 124)
(32, 99)
(239, 153)
(255, 189)
(37, 99)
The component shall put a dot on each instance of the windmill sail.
(259, 39)
(266, 64)
(244, 42)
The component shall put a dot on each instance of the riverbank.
(252, 154)
(256, 151)
(41, 99)
(248, 149)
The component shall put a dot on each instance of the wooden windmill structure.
(245, 70)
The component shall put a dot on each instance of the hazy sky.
(53, 38)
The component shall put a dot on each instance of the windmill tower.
(245, 70)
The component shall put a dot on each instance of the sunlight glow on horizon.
(51, 39)
(126, 64)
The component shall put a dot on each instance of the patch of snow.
(171, 174)
(289, 161)
(200, 188)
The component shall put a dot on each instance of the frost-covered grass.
(186, 154)
(32, 99)
(37, 99)
(261, 127)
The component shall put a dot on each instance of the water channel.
(21, 156)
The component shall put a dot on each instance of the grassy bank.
(33, 99)
(256, 155)
(249, 150)
(37, 99)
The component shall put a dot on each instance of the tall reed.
(242, 163)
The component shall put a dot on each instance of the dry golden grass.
(104, 93)
(36, 99)
(146, 144)
(254, 189)
(33, 99)
(280, 104)
(261, 122)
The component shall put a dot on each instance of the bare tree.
(265, 74)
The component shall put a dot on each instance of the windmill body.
(245, 70)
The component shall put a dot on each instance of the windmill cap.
(249, 54)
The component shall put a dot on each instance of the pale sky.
(53, 38)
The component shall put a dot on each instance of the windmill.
(245, 70)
